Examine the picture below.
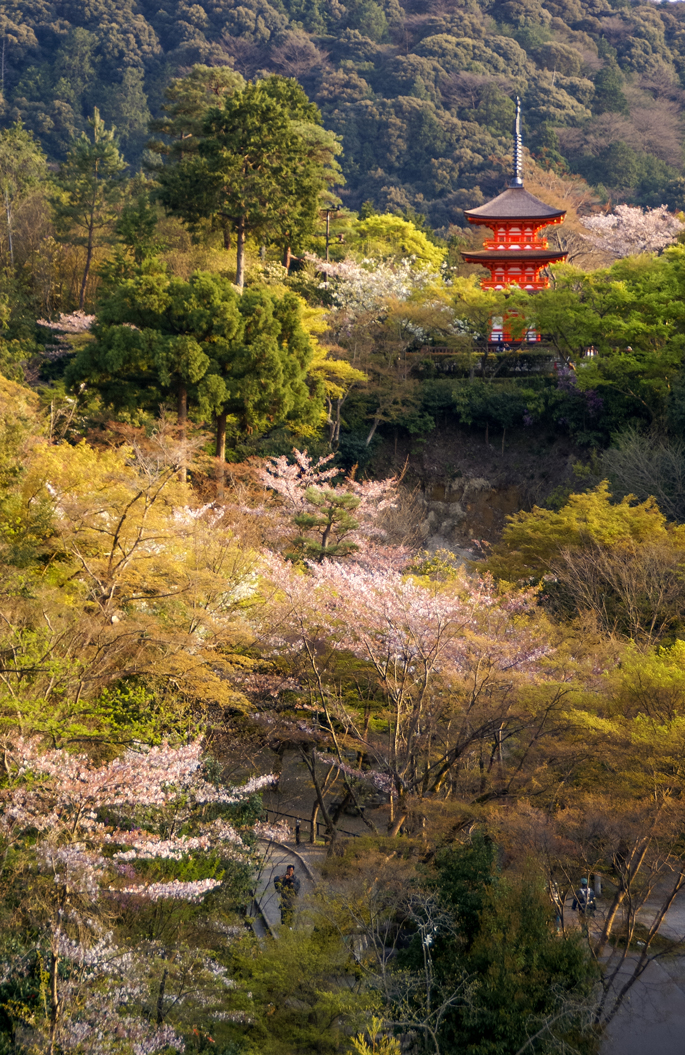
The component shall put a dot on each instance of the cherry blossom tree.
(630, 230)
(446, 672)
(101, 842)
(337, 515)
(358, 288)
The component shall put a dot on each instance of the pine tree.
(263, 164)
(241, 360)
(90, 188)
(330, 519)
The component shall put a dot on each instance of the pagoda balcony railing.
(496, 283)
(516, 243)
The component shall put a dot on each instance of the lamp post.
(334, 209)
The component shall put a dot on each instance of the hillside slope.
(421, 92)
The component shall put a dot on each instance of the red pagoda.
(516, 254)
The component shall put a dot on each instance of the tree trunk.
(160, 998)
(8, 211)
(220, 454)
(54, 1001)
(182, 405)
(372, 433)
(309, 760)
(86, 272)
(182, 409)
(341, 807)
(287, 256)
(396, 824)
(226, 232)
(240, 256)
(504, 432)
(487, 433)
(312, 832)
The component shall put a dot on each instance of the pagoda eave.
(488, 257)
(538, 221)
(515, 205)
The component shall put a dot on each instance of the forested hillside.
(420, 92)
(299, 564)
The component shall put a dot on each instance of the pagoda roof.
(511, 256)
(514, 203)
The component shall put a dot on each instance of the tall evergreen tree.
(90, 188)
(188, 101)
(243, 361)
(260, 380)
(263, 164)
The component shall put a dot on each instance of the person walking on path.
(584, 900)
(288, 887)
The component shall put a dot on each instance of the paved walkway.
(651, 1020)
(275, 859)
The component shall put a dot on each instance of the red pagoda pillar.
(516, 254)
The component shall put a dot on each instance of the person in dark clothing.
(584, 900)
(288, 887)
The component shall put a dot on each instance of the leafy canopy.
(386, 235)
(245, 356)
(531, 541)
(263, 164)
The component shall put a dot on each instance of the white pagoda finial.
(517, 181)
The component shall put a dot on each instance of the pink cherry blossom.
(65, 810)
(292, 479)
(358, 288)
(76, 322)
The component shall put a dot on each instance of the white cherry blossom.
(630, 230)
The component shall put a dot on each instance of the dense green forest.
(421, 93)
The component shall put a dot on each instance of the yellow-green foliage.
(379, 1043)
(632, 730)
(386, 235)
(125, 577)
(19, 424)
(337, 375)
(531, 541)
(298, 1003)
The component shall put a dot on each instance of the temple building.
(516, 255)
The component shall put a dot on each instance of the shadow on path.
(652, 1018)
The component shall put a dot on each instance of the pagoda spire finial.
(517, 181)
